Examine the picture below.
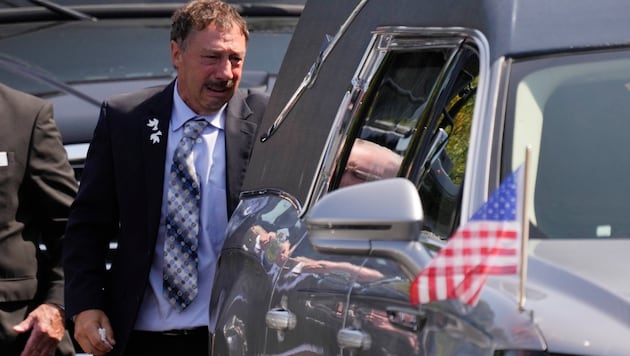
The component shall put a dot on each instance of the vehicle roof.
(512, 28)
(99, 9)
(519, 27)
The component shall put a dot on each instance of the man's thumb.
(24, 326)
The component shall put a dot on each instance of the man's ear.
(176, 54)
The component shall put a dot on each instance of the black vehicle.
(447, 95)
(76, 53)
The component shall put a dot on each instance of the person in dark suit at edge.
(37, 185)
(130, 185)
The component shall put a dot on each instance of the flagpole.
(524, 230)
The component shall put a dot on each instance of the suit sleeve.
(53, 187)
(92, 224)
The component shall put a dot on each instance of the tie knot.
(193, 127)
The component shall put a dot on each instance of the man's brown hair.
(198, 14)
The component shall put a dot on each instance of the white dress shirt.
(156, 313)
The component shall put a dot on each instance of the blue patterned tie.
(182, 221)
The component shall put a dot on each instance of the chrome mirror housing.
(381, 218)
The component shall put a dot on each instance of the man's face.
(209, 66)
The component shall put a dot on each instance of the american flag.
(487, 244)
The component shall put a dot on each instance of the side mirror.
(380, 218)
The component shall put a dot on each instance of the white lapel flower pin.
(155, 135)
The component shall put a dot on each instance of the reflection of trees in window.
(460, 110)
(443, 176)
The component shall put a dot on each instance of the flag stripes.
(488, 244)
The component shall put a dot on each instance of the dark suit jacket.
(120, 197)
(37, 186)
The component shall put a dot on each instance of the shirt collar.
(183, 113)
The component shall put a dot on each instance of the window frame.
(351, 109)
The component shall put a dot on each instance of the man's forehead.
(232, 38)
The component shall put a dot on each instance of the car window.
(414, 121)
(440, 174)
(392, 110)
(573, 112)
(91, 52)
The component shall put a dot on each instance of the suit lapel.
(156, 122)
(239, 133)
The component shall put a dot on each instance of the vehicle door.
(260, 228)
(414, 121)
(309, 295)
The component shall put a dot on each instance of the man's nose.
(224, 70)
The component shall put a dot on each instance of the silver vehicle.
(390, 123)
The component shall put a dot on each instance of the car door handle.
(406, 318)
(350, 338)
(280, 319)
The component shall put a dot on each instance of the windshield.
(574, 112)
(113, 50)
(85, 52)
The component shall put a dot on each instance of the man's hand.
(47, 329)
(93, 332)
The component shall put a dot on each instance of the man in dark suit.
(128, 189)
(37, 186)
